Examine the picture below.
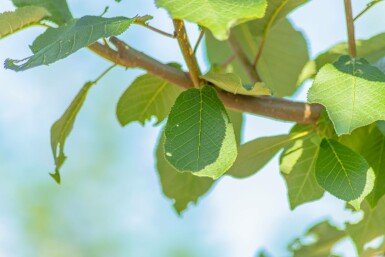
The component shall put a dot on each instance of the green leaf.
(374, 152)
(297, 165)
(280, 64)
(255, 154)
(61, 129)
(372, 49)
(58, 8)
(358, 93)
(232, 83)
(326, 237)
(217, 15)
(381, 126)
(370, 179)
(147, 96)
(183, 188)
(341, 171)
(58, 43)
(199, 136)
(11, 22)
(370, 227)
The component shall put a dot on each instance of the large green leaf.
(199, 135)
(280, 64)
(236, 119)
(184, 188)
(58, 8)
(323, 237)
(297, 165)
(232, 83)
(61, 129)
(341, 171)
(255, 154)
(217, 15)
(372, 49)
(358, 93)
(58, 43)
(11, 22)
(147, 96)
(370, 227)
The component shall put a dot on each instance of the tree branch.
(243, 59)
(187, 52)
(350, 27)
(277, 108)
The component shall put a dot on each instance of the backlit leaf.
(232, 83)
(11, 22)
(217, 15)
(358, 93)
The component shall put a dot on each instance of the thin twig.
(368, 7)
(244, 60)
(266, 32)
(199, 40)
(187, 52)
(157, 30)
(350, 27)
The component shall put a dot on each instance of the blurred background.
(110, 201)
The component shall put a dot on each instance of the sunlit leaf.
(11, 22)
(58, 8)
(217, 15)
(358, 93)
(232, 83)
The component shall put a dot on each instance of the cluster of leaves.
(343, 154)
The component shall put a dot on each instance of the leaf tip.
(56, 176)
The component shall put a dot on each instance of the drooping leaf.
(297, 164)
(236, 119)
(183, 188)
(358, 92)
(217, 15)
(58, 8)
(232, 83)
(370, 227)
(61, 129)
(326, 236)
(11, 22)
(372, 49)
(147, 96)
(255, 154)
(374, 152)
(58, 43)
(280, 64)
(341, 171)
(199, 135)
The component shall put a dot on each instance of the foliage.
(256, 58)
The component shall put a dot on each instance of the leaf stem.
(187, 52)
(199, 40)
(368, 7)
(157, 30)
(350, 28)
(266, 32)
